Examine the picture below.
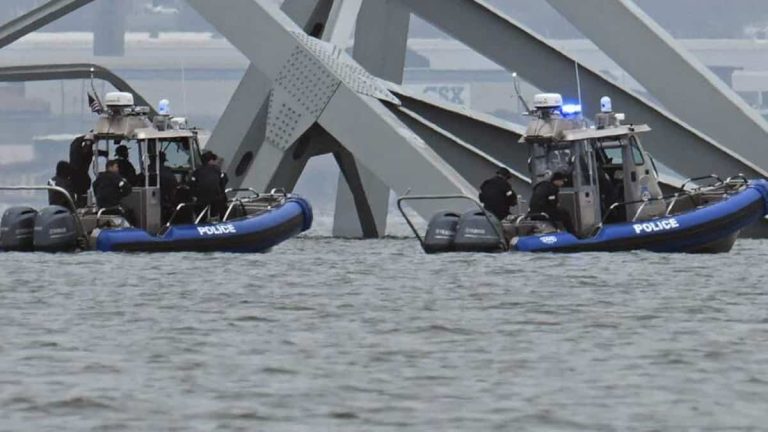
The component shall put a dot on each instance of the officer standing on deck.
(209, 184)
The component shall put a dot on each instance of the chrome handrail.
(206, 210)
(229, 209)
(176, 212)
(694, 179)
(402, 199)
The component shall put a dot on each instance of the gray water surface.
(326, 334)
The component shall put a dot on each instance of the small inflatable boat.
(611, 194)
(267, 220)
(255, 233)
(264, 221)
(710, 229)
(253, 221)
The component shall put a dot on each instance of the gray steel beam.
(496, 138)
(675, 77)
(474, 165)
(241, 129)
(358, 186)
(70, 72)
(381, 37)
(516, 49)
(311, 15)
(375, 136)
(37, 18)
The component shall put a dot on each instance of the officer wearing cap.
(545, 201)
(62, 179)
(497, 195)
(127, 170)
(208, 185)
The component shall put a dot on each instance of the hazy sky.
(682, 18)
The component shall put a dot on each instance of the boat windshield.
(179, 154)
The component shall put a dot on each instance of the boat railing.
(176, 212)
(72, 207)
(101, 212)
(706, 177)
(205, 212)
(405, 198)
(234, 202)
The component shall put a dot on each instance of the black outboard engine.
(16, 229)
(55, 230)
(478, 233)
(441, 232)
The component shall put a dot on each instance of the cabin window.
(613, 155)
(637, 154)
(177, 154)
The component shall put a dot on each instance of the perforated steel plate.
(346, 68)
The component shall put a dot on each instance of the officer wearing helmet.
(497, 194)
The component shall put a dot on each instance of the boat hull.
(252, 234)
(709, 229)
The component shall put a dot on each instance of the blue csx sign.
(452, 93)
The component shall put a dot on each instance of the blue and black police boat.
(704, 216)
(253, 221)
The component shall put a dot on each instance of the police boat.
(612, 195)
(253, 221)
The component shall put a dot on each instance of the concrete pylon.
(381, 37)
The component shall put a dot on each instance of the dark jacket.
(545, 199)
(56, 198)
(208, 184)
(109, 188)
(497, 196)
(80, 156)
(168, 184)
(127, 171)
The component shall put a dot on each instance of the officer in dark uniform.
(127, 170)
(208, 185)
(545, 200)
(109, 188)
(62, 179)
(168, 185)
(80, 156)
(497, 195)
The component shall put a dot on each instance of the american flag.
(95, 104)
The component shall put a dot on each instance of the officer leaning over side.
(497, 194)
(545, 200)
(62, 179)
(109, 188)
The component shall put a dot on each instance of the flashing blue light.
(571, 109)
(164, 107)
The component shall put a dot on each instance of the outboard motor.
(441, 232)
(478, 233)
(55, 230)
(16, 229)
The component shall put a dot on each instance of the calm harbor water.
(327, 334)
